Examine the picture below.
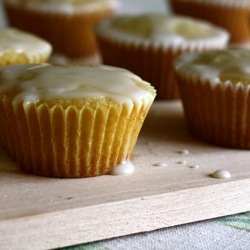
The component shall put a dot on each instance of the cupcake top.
(19, 42)
(65, 6)
(229, 66)
(162, 30)
(37, 83)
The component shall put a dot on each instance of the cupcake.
(71, 121)
(147, 44)
(215, 91)
(66, 24)
(17, 47)
(233, 15)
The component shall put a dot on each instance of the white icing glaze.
(17, 41)
(162, 30)
(66, 6)
(232, 65)
(125, 168)
(32, 83)
(221, 174)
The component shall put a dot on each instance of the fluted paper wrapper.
(217, 113)
(59, 142)
(71, 35)
(233, 17)
(153, 64)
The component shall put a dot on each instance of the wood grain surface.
(169, 187)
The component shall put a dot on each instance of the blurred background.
(126, 6)
(137, 6)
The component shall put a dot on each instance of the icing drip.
(125, 168)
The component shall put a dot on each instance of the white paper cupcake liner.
(59, 142)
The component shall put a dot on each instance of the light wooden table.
(167, 189)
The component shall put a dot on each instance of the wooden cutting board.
(171, 186)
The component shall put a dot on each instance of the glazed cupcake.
(233, 15)
(215, 91)
(71, 121)
(17, 47)
(66, 24)
(147, 44)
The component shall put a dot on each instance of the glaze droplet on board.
(183, 162)
(125, 168)
(160, 164)
(194, 166)
(184, 152)
(221, 174)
